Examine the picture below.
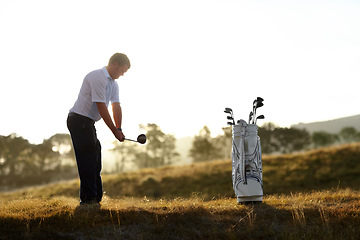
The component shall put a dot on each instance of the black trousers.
(88, 156)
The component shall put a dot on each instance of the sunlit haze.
(190, 60)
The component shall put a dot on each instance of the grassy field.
(312, 195)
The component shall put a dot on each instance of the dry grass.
(316, 215)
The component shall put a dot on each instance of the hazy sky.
(190, 60)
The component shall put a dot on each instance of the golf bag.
(246, 163)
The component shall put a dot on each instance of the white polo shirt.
(97, 86)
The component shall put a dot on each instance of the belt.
(72, 114)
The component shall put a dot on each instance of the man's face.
(120, 70)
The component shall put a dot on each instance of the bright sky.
(190, 59)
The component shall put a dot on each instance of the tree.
(203, 148)
(22, 163)
(155, 138)
(291, 139)
(168, 150)
(62, 144)
(283, 140)
(125, 152)
(349, 134)
(44, 157)
(14, 152)
(322, 139)
(223, 143)
(267, 138)
(160, 147)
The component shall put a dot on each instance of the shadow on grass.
(253, 221)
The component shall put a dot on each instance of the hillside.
(320, 200)
(332, 126)
(326, 168)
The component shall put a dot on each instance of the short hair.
(120, 58)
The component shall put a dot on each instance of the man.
(98, 89)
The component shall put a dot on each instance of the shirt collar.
(107, 73)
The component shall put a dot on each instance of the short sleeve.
(98, 89)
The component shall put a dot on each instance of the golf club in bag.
(246, 161)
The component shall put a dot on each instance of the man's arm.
(108, 121)
(117, 114)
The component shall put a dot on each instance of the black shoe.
(93, 202)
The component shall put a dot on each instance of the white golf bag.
(246, 163)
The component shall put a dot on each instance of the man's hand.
(119, 135)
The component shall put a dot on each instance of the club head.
(259, 104)
(231, 118)
(141, 138)
(259, 117)
(228, 110)
(257, 101)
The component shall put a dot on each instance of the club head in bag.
(259, 117)
(231, 118)
(228, 110)
(259, 104)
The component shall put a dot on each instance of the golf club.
(231, 117)
(140, 139)
(258, 102)
(253, 110)
(259, 99)
(259, 117)
(250, 115)
(228, 110)
(255, 104)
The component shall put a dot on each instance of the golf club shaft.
(254, 111)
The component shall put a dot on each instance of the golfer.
(98, 89)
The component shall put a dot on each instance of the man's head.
(118, 64)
